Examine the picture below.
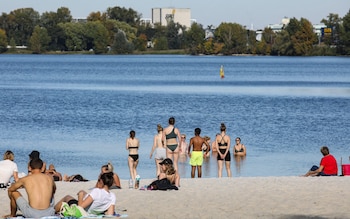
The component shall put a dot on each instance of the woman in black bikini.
(223, 144)
(133, 144)
(172, 137)
(239, 148)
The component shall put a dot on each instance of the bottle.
(137, 183)
(130, 183)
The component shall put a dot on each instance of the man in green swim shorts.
(197, 154)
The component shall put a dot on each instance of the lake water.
(77, 110)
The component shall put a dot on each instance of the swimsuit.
(30, 212)
(160, 153)
(171, 135)
(223, 150)
(196, 158)
(241, 150)
(135, 157)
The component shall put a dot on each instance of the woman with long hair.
(223, 148)
(132, 145)
(158, 149)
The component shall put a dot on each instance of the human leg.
(176, 158)
(131, 168)
(58, 205)
(199, 171)
(193, 171)
(220, 164)
(228, 168)
(13, 205)
(135, 163)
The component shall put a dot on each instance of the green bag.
(72, 211)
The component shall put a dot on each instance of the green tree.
(160, 43)
(3, 41)
(50, 21)
(282, 45)
(97, 36)
(128, 16)
(21, 23)
(114, 26)
(233, 36)
(13, 45)
(304, 38)
(174, 35)
(333, 22)
(195, 39)
(39, 40)
(121, 44)
(74, 36)
(141, 42)
(343, 47)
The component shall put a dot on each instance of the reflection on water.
(239, 162)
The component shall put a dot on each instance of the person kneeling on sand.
(98, 201)
(40, 189)
(328, 165)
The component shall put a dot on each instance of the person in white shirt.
(8, 168)
(98, 201)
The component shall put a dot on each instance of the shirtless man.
(40, 189)
(197, 153)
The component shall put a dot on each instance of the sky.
(254, 14)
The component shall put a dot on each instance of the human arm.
(153, 147)
(15, 176)
(189, 147)
(314, 172)
(84, 202)
(110, 210)
(117, 180)
(127, 144)
(18, 184)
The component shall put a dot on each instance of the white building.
(178, 15)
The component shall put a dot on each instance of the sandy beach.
(245, 197)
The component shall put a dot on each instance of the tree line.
(121, 31)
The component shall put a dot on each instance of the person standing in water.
(197, 155)
(172, 136)
(223, 144)
(158, 149)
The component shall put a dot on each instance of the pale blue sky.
(258, 13)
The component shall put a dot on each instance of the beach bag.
(72, 210)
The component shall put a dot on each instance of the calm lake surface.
(77, 110)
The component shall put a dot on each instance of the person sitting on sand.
(98, 201)
(36, 155)
(108, 168)
(239, 149)
(169, 172)
(8, 168)
(52, 172)
(328, 165)
(40, 190)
